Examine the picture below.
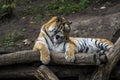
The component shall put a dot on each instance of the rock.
(26, 42)
(97, 26)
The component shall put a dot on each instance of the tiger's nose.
(58, 37)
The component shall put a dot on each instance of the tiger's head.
(57, 29)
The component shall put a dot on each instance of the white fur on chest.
(58, 48)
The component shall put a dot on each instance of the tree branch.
(113, 57)
(44, 73)
(103, 72)
(28, 71)
(29, 56)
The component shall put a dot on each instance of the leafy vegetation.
(30, 10)
(23, 2)
(5, 4)
(53, 7)
(11, 39)
(67, 6)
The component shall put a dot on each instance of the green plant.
(23, 2)
(11, 5)
(8, 43)
(11, 39)
(67, 6)
(6, 9)
(30, 10)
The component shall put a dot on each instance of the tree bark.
(29, 56)
(28, 71)
(24, 57)
(103, 72)
(43, 73)
(113, 57)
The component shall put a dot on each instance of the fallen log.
(29, 56)
(25, 57)
(44, 73)
(113, 56)
(28, 71)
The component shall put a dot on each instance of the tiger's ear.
(59, 19)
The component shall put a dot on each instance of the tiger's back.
(92, 45)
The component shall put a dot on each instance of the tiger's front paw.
(70, 57)
(45, 60)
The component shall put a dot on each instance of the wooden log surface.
(113, 56)
(44, 73)
(26, 56)
(29, 56)
(28, 71)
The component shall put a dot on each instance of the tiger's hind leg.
(104, 44)
(105, 41)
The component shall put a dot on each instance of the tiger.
(55, 36)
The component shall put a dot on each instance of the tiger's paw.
(70, 58)
(45, 60)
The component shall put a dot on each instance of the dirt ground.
(27, 30)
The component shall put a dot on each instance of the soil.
(28, 31)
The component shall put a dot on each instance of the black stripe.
(104, 51)
(106, 47)
(81, 48)
(99, 45)
(53, 30)
(58, 27)
(83, 44)
(96, 43)
(48, 36)
(86, 51)
(102, 46)
(64, 47)
(47, 44)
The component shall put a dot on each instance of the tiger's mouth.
(57, 39)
